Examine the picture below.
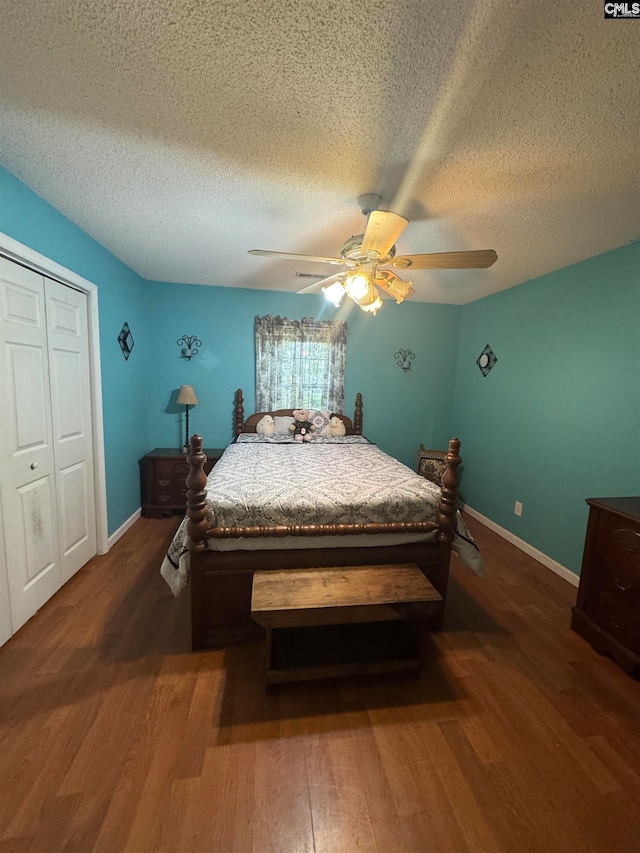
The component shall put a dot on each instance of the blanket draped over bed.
(332, 487)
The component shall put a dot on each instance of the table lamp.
(187, 397)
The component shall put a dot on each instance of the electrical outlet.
(518, 508)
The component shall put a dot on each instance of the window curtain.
(300, 363)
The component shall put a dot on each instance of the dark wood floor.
(114, 737)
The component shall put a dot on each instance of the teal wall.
(557, 420)
(400, 409)
(122, 297)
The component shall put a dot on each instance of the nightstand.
(163, 475)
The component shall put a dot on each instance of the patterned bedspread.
(325, 481)
(316, 483)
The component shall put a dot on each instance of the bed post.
(196, 496)
(449, 499)
(447, 523)
(357, 415)
(238, 413)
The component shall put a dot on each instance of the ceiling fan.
(364, 255)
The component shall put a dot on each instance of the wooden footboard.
(221, 581)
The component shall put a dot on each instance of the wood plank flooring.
(114, 737)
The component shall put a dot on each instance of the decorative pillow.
(320, 421)
(265, 426)
(341, 439)
(256, 438)
(336, 426)
(282, 424)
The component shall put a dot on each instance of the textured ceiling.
(181, 133)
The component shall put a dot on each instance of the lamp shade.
(187, 396)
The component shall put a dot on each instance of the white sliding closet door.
(68, 343)
(46, 453)
(29, 504)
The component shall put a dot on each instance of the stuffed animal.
(266, 426)
(336, 427)
(302, 429)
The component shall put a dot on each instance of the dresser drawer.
(168, 474)
(621, 562)
(619, 619)
(164, 480)
(164, 498)
(180, 472)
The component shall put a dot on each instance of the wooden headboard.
(353, 427)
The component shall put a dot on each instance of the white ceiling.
(181, 133)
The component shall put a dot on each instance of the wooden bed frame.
(221, 581)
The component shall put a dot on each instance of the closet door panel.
(68, 344)
(26, 450)
(29, 428)
(39, 536)
(75, 530)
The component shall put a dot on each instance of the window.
(300, 363)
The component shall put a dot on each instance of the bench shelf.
(355, 620)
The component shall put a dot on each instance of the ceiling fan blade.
(322, 283)
(383, 229)
(288, 256)
(480, 259)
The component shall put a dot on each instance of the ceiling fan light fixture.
(374, 306)
(370, 301)
(394, 286)
(334, 293)
(358, 285)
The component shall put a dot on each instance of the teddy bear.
(301, 428)
(336, 426)
(266, 426)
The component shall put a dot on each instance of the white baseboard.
(119, 533)
(565, 573)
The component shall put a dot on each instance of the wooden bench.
(353, 620)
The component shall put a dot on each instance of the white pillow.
(282, 424)
(320, 420)
(265, 426)
(337, 427)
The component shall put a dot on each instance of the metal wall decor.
(125, 339)
(189, 344)
(486, 360)
(404, 358)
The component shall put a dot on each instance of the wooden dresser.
(163, 474)
(607, 613)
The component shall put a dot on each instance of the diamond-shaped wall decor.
(486, 360)
(125, 339)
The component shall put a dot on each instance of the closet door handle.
(33, 466)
